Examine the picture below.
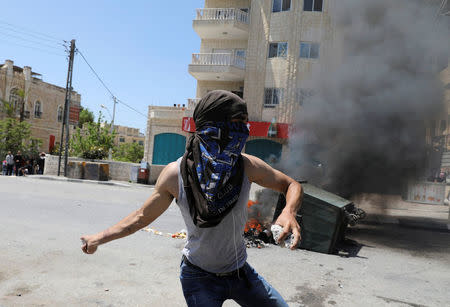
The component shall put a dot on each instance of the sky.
(141, 49)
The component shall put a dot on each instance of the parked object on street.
(323, 218)
(96, 171)
(143, 173)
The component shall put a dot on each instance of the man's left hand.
(289, 223)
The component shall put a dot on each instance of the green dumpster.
(323, 218)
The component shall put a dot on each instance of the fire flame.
(253, 224)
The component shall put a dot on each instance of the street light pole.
(112, 126)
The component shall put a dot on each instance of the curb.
(416, 223)
(54, 178)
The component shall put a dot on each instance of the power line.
(32, 47)
(29, 41)
(95, 73)
(130, 107)
(107, 88)
(32, 31)
(8, 28)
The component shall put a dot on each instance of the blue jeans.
(201, 288)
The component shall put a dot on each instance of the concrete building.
(127, 135)
(42, 105)
(262, 51)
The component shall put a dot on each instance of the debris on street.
(182, 234)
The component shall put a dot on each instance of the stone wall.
(120, 171)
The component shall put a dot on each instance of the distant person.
(26, 169)
(41, 163)
(211, 184)
(18, 162)
(442, 176)
(4, 167)
(9, 163)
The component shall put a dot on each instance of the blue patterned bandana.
(220, 148)
(212, 168)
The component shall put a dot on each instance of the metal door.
(168, 147)
(266, 150)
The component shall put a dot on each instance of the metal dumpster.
(323, 218)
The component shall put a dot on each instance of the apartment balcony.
(217, 67)
(221, 23)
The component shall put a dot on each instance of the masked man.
(211, 185)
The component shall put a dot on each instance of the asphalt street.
(41, 263)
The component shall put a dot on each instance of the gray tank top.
(218, 249)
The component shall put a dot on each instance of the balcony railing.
(219, 59)
(192, 103)
(223, 14)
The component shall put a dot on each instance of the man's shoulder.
(168, 179)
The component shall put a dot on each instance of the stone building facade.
(263, 51)
(43, 103)
(126, 134)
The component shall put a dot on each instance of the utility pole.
(66, 111)
(112, 125)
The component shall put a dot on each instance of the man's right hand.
(89, 244)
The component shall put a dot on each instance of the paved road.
(41, 263)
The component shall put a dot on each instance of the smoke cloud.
(363, 129)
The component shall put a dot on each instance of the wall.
(120, 171)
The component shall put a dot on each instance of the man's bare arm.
(153, 207)
(263, 174)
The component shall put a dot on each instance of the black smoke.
(363, 129)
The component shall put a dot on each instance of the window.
(121, 140)
(313, 5)
(302, 94)
(141, 142)
(14, 99)
(272, 97)
(60, 114)
(278, 50)
(281, 5)
(309, 50)
(37, 109)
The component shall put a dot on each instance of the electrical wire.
(95, 73)
(7, 28)
(30, 41)
(44, 36)
(130, 107)
(107, 88)
(32, 47)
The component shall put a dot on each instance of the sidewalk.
(109, 182)
(392, 209)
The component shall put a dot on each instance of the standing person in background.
(211, 184)
(41, 163)
(9, 163)
(4, 167)
(18, 160)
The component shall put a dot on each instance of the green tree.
(16, 135)
(129, 152)
(93, 141)
(86, 116)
